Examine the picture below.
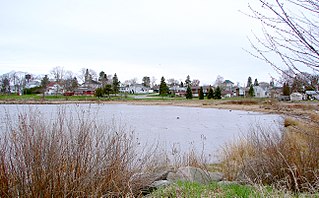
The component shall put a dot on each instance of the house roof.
(228, 81)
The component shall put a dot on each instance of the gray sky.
(170, 38)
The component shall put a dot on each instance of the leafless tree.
(290, 40)
(172, 82)
(153, 81)
(58, 73)
(83, 74)
(219, 81)
(195, 82)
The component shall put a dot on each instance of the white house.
(262, 90)
(136, 89)
(54, 88)
(296, 96)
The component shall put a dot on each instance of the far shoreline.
(262, 106)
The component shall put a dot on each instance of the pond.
(171, 126)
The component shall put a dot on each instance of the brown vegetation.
(75, 156)
(287, 159)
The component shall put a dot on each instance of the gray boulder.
(160, 184)
(193, 174)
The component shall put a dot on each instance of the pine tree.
(107, 89)
(249, 82)
(99, 92)
(201, 93)
(256, 82)
(251, 92)
(218, 93)
(286, 89)
(210, 94)
(74, 84)
(116, 84)
(189, 94)
(182, 84)
(44, 83)
(163, 90)
(146, 81)
(188, 81)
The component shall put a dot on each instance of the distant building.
(54, 88)
(262, 90)
(296, 96)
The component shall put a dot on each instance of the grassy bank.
(287, 159)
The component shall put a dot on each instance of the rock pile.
(163, 178)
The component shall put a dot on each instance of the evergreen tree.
(163, 90)
(146, 81)
(182, 84)
(189, 94)
(44, 83)
(210, 94)
(286, 89)
(107, 89)
(218, 93)
(103, 78)
(249, 82)
(188, 81)
(98, 92)
(201, 93)
(251, 92)
(116, 84)
(74, 84)
(256, 82)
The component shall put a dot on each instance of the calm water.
(178, 127)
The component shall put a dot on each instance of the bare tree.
(172, 82)
(219, 81)
(153, 81)
(195, 82)
(290, 32)
(58, 74)
(84, 72)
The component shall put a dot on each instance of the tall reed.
(72, 155)
(286, 159)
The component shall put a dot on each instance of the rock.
(193, 174)
(216, 176)
(172, 177)
(160, 184)
(150, 177)
(152, 180)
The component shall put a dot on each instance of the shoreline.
(296, 109)
(217, 104)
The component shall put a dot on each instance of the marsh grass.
(287, 160)
(68, 157)
(74, 154)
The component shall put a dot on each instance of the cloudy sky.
(136, 38)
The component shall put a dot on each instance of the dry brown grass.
(77, 156)
(68, 157)
(287, 159)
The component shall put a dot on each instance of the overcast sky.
(133, 38)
